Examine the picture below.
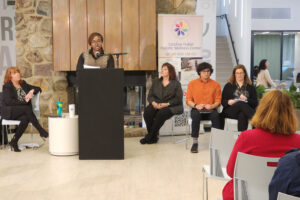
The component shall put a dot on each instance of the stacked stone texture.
(34, 54)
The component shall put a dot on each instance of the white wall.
(277, 24)
(207, 9)
(221, 23)
(239, 16)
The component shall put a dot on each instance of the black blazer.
(10, 97)
(172, 94)
(229, 89)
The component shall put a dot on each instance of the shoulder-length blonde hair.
(9, 71)
(232, 79)
(275, 113)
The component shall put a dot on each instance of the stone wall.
(176, 6)
(34, 54)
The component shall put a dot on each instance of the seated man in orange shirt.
(204, 97)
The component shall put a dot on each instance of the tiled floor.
(161, 171)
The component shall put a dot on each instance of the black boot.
(149, 139)
(146, 139)
(14, 144)
(43, 133)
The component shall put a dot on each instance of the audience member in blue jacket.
(286, 178)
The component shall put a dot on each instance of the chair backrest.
(35, 101)
(220, 147)
(252, 175)
(282, 196)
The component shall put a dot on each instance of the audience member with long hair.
(275, 123)
(165, 100)
(239, 98)
(16, 105)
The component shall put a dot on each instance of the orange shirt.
(203, 92)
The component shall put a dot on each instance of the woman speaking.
(95, 55)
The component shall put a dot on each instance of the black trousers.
(155, 119)
(197, 116)
(240, 111)
(25, 115)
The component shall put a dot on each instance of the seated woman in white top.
(263, 77)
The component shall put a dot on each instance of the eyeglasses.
(96, 42)
(206, 71)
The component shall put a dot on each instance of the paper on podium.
(90, 67)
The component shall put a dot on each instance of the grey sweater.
(172, 94)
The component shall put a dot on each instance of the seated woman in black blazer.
(17, 95)
(239, 98)
(165, 100)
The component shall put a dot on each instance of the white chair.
(36, 111)
(220, 147)
(282, 196)
(231, 124)
(252, 175)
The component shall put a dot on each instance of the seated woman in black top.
(165, 100)
(239, 98)
(17, 95)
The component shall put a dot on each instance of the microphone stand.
(115, 54)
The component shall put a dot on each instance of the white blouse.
(264, 78)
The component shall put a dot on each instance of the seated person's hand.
(29, 95)
(27, 98)
(155, 105)
(200, 107)
(243, 97)
(162, 105)
(208, 107)
(231, 102)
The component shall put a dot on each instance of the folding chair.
(232, 125)
(252, 175)
(282, 196)
(36, 111)
(220, 147)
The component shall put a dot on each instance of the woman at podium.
(165, 100)
(95, 56)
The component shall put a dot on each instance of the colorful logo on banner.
(181, 29)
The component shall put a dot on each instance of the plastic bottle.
(59, 106)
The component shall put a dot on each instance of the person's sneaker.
(194, 148)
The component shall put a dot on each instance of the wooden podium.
(101, 118)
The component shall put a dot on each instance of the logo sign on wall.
(180, 43)
(8, 39)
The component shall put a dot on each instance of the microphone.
(97, 54)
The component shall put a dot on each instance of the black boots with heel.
(14, 145)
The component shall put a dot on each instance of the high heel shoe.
(44, 136)
(14, 146)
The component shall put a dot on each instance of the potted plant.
(294, 94)
(260, 91)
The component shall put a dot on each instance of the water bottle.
(59, 106)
